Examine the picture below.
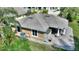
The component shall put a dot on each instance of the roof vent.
(47, 15)
(30, 17)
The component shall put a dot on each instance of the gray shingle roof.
(55, 21)
(42, 22)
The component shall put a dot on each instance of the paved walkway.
(56, 42)
(38, 41)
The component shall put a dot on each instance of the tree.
(8, 35)
(69, 17)
(69, 12)
(9, 40)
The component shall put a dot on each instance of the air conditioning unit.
(22, 35)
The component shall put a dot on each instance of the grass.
(75, 27)
(17, 45)
(77, 17)
(20, 44)
(42, 47)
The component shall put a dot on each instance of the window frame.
(18, 29)
(33, 33)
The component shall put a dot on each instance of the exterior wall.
(51, 10)
(28, 32)
(13, 29)
(41, 36)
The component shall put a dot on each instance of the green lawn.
(75, 27)
(17, 45)
(42, 47)
(77, 17)
(26, 45)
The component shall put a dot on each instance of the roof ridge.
(41, 21)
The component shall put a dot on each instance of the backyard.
(75, 26)
(19, 44)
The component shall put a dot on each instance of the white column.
(58, 34)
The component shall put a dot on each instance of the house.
(47, 28)
(51, 10)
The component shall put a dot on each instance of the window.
(44, 7)
(33, 7)
(18, 29)
(39, 8)
(54, 30)
(34, 32)
(61, 31)
(29, 7)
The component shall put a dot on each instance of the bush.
(17, 45)
(69, 17)
(44, 11)
(12, 43)
(34, 11)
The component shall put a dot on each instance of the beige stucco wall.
(13, 29)
(28, 32)
(40, 35)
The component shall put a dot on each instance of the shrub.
(69, 17)
(34, 11)
(44, 11)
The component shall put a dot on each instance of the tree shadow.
(76, 39)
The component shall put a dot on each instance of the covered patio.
(64, 41)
